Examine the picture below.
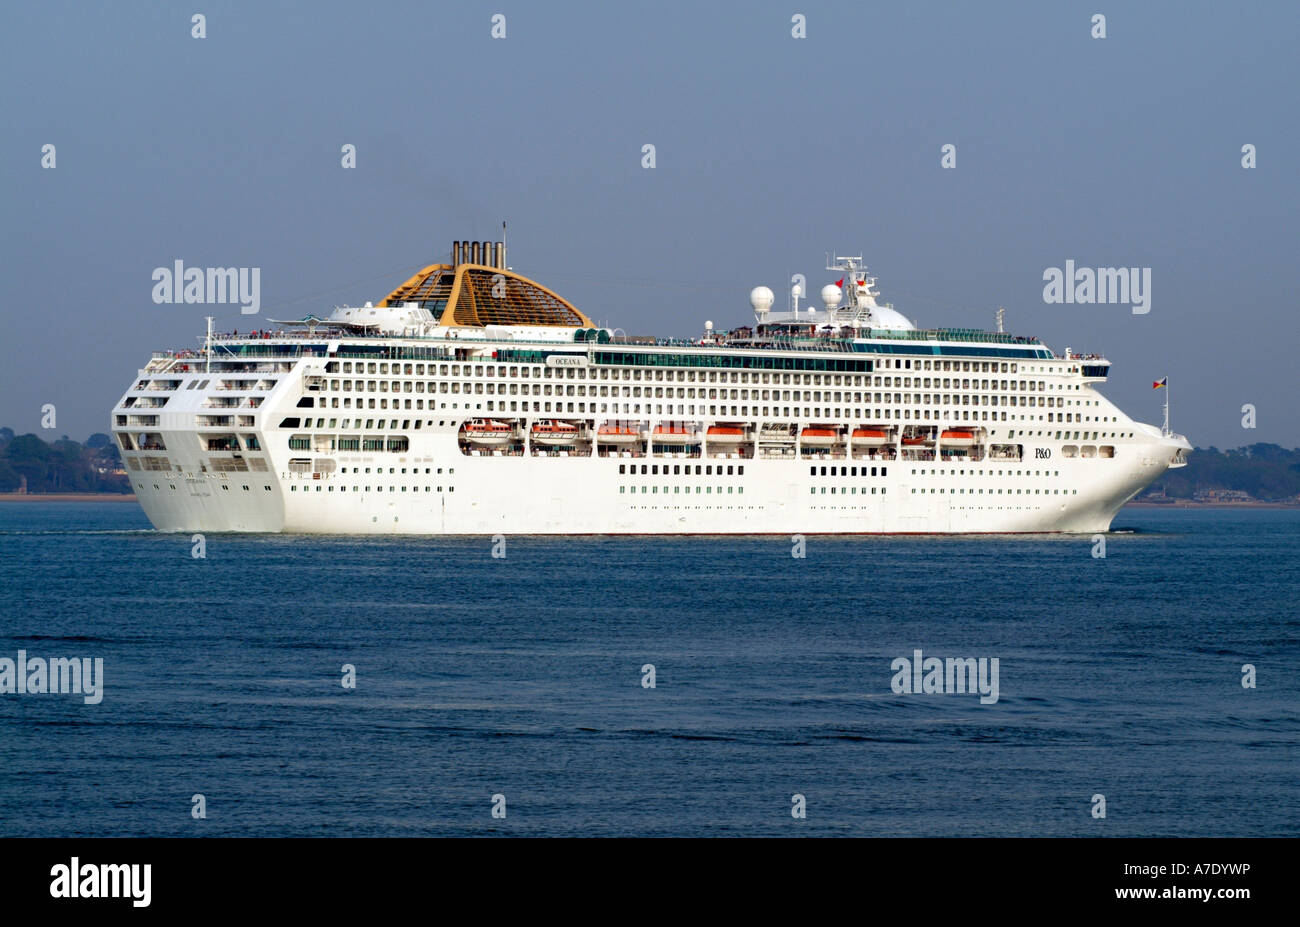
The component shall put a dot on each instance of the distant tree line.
(1267, 472)
(60, 466)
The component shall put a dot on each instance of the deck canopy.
(475, 295)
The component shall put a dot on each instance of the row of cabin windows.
(393, 470)
(946, 400)
(172, 486)
(707, 490)
(846, 490)
(845, 471)
(974, 472)
(548, 389)
(332, 488)
(839, 412)
(684, 469)
(658, 373)
(293, 422)
(1009, 492)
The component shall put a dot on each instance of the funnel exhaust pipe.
(485, 253)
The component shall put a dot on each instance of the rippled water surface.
(522, 677)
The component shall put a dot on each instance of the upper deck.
(324, 340)
(476, 306)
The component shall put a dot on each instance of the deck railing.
(282, 343)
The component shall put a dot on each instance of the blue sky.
(770, 150)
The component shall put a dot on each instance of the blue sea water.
(522, 677)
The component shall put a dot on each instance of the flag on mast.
(1163, 381)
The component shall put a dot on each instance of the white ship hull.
(488, 495)
(493, 497)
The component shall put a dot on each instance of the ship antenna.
(1001, 314)
(207, 348)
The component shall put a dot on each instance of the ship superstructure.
(473, 400)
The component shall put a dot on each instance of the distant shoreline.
(67, 497)
(1212, 505)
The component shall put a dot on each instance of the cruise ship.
(474, 400)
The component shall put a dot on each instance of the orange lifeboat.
(870, 437)
(958, 437)
(617, 434)
(488, 432)
(674, 434)
(916, 441)
(814, 436)
(725, 434)
(549, 431)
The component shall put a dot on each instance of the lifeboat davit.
(726, 434)
(870, 437)
(618, 434)
(958, 438)
(820, 437)
(548, 431)
(488, 432)
(674, 434)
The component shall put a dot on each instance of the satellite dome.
(890, 319)
(831, 295)
(760, 297)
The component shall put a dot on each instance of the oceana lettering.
(55, 676)
(209, 285)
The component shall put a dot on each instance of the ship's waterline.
(473, 400)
